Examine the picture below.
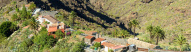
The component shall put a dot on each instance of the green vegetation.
(97, 45)
(34, 24)
(72, 17)
(32, 6)
(110, 50)
(150, 29)
(133, 24)
(43, 41)
(7, 28)
(158, 33)
(59, 34)
(180, 40)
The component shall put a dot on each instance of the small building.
(115, 48)
(52, 30)
(99, 40)
(89, 39)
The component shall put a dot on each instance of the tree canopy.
(158, 33)
(180, 40)
(43, 40)
(7, 28)
(59, 34)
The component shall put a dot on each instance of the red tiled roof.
(62, 30)
(99, 39)
(142, 49)
(107, 44)
(52, 29)
(117, 47)
(89, 37)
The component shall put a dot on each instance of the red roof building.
(107, 44)
(99, 39)
(89, 37)
(52, 29)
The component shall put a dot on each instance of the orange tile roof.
(107, 44)
(89, 37)
(62, 30)
(52, 29)
(142, 49)
(99, 39)
(117, 47)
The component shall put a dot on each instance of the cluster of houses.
(48, 20)
(130, 45)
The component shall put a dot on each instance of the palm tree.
(158, 33)
(150, 29)
(181, 40)
(134, 23)
(34, 24)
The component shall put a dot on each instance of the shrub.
(59, 34)
(110, 50)
(77, 33)
(96, 45)
(43, 40)
(32, 6)
(6, 28)
(14, 17)
(92, 47)
(25, 23)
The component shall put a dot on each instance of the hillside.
(110, 16)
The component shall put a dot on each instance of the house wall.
(91, 41)
(106, 49)
(87, 41)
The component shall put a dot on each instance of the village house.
(49, 19)
(115, 48)
(89, 39)
(99, 40)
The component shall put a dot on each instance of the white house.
(115, 48)
(49, 19)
